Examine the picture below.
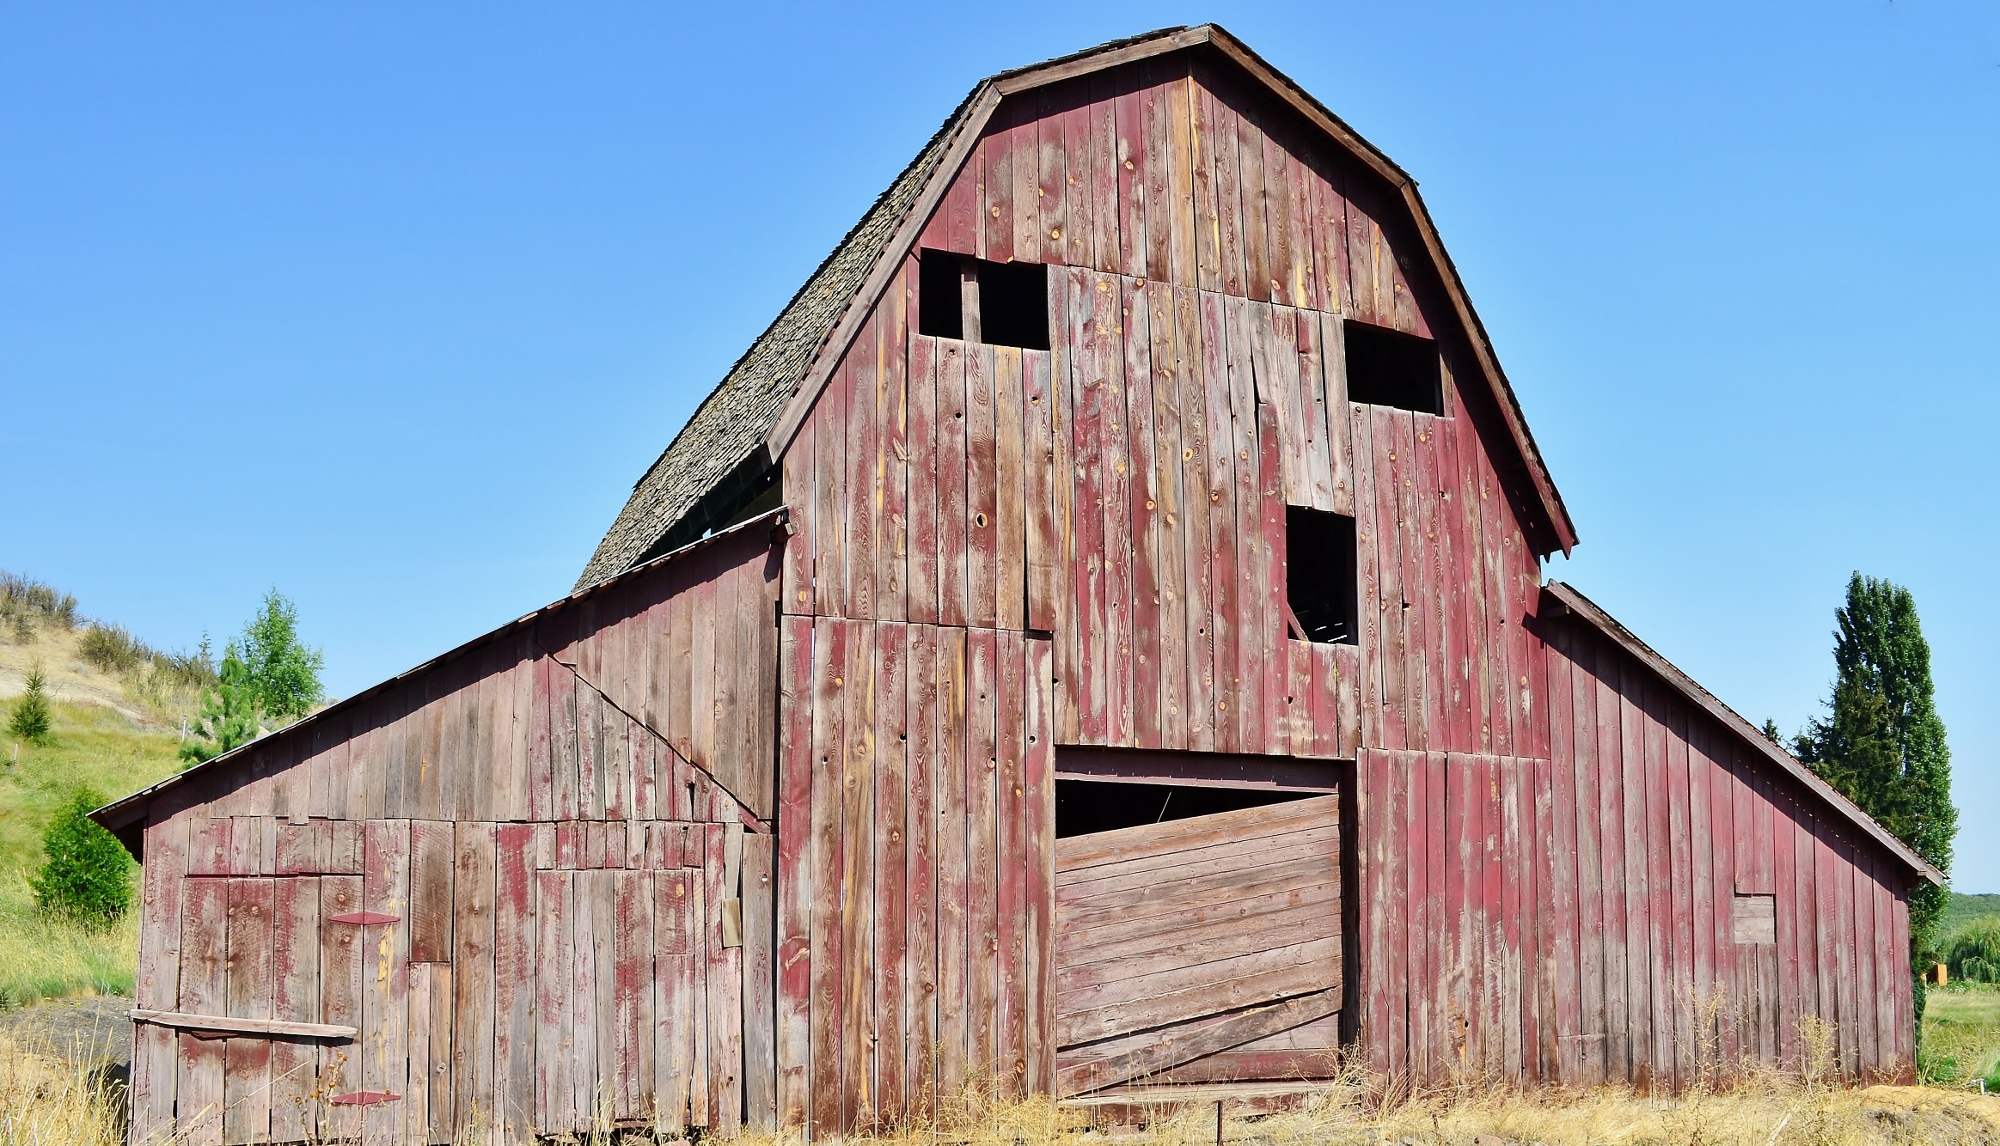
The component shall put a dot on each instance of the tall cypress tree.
(1882, 744)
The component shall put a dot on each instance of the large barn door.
(1202, 949)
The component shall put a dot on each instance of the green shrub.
(1974, 952)
(31, 713)
(112, 648)
(23, 599)
(87, 876)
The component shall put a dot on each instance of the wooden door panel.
(1191, 949)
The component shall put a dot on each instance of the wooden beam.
(276, 1028)
(1169, 1051)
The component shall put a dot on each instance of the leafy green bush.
(31, 713)
(1974, 952)
(23, 599)
(87, 876)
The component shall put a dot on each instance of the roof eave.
(126, 817)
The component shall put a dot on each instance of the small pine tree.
(1772, 734)
(229, 713)
(87, 875)
(284, 671)
(31, 719)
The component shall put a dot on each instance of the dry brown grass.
(46, 1101)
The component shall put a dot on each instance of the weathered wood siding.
(914, 893)
(1125, 490)
(553, 880)
(1568, 918)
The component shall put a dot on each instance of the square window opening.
(1001, 304)
(1014, 304)
(1389, 368)
(940, 298)
(1320, 582)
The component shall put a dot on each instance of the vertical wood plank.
(156, 981)
(824, 1056)
(1139, 512)
(920, 910)
(515, 917)
(760, 1095)
(1010, 510)
(857, 908)
(295, 997)
(954, 515)
(385, 889)
(472, 960)
(982, 924)
(342, 957)
(924, 477)
(953, 878)
(891, 829)
(246, 1086)
(797, 831)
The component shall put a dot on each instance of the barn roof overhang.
(126, 818)
(752, 416)
(1587, 611)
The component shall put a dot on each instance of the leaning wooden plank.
(472, 978)
(1170, 1050)
(1185, 993)
(235, 1024)
(1074, 852)
(1123, 967)
(797, 761)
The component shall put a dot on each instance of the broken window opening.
(1001, 304)
(1087, 806)
(1320, 583)
(1389, 368)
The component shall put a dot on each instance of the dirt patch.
(82, 1032)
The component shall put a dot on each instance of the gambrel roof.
(749, 419)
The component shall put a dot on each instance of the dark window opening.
(1014, 305)
(1002, 304)
(1086, 806)
(1320, 582)
(940, 305)
(1389, 368)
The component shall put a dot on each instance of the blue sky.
(389, 305)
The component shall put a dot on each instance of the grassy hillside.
(1963, 909)
(95, 746)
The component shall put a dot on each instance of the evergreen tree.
(229, 712)
(283, 671)
(87, 875)
(31, 719)
(1882, 744)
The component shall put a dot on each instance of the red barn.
(1095, 636)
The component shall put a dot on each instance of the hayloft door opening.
(1198, 949)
